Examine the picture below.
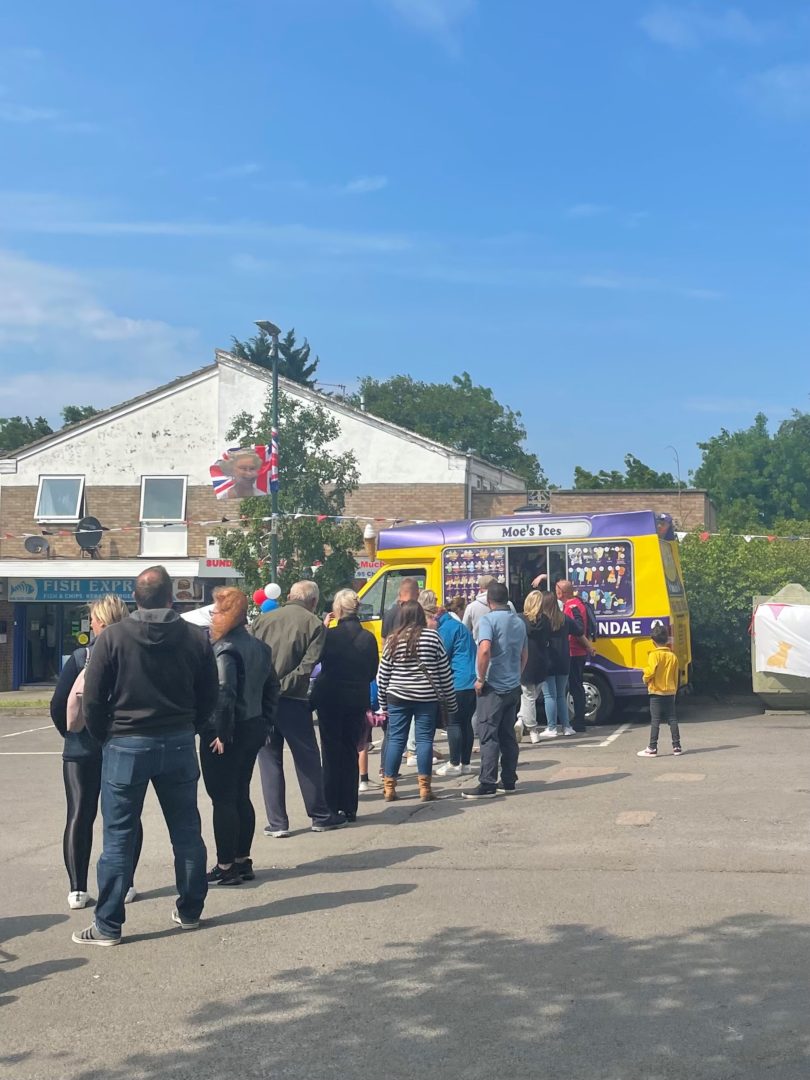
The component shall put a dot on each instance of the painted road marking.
(612, 738)
(582, 772)
(636, 817)
(27, 731)
(30, 753)
(681, 777)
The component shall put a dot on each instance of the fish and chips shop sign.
(30, 590)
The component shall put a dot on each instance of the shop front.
(50, 609)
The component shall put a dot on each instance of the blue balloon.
(268, 605)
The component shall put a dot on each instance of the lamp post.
(678, 471)
(273, 332)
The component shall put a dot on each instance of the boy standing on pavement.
(502, 655)
(661, 677)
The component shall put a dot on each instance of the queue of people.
(130, 706)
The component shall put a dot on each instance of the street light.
(273, 332)
(678, 471)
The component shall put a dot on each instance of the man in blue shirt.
(502, 655)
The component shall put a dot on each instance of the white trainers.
(448, 769)
(549, 733)
(519, 730)
(77, 900)
(278, 834)
(364, 785)
(568, 731)
(647, 753)
(131, 895)
(535, 735)
(467, 770)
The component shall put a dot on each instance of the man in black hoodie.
(150, 685)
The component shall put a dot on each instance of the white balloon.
(272, 592)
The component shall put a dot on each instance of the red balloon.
(259, 597)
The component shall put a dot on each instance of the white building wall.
(176, 434)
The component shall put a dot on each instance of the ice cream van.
(626, 565)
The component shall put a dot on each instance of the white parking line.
(30, 753)
(611, 738)
(27, 731)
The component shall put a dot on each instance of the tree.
(73, 414)
(637, 475)
(313, 481)
(755, 478)
(458, 414)
(17, 431)
(293, 362)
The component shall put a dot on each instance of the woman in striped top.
(414, 676)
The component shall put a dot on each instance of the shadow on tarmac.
(19, 926)
(730, 1000)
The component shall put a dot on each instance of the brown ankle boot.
(389, 788)
(425, 790)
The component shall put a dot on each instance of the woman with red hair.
(248, 694)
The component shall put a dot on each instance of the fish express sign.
(68, 589)
(569, 529)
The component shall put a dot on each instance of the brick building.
(141, 468)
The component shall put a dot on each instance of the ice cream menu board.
(463, 566)
(603, 575)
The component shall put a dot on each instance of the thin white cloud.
(626, 283)
(439, 19)
(689, 27)
(364, 185)
(45, 214)
(59, 342)
(236, 172)
(13, 113)
(782, 90)
(586, 210)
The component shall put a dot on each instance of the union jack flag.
(243, 471)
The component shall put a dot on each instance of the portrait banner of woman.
(244, 471)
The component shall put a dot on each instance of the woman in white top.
(413, 679)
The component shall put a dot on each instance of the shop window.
(163, 511)
(59, 498)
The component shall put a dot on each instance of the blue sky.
(600, 210)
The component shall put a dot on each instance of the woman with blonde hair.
(558, 627)
(536, 668)
(229, 745)
(341, 695)
(81, 757)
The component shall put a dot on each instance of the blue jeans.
(555, 697)
(400, 713)
(130, 762)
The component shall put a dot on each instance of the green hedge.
(723, 574)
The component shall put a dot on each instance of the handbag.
(444, 712)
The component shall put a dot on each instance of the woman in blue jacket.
(461, 651)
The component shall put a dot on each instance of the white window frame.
(157, 476)
(60, 517)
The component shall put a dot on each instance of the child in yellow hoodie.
(661, 677)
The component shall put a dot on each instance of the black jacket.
(150, 674)
(559, 653)
(248, 684)
(537, 664)
(348, 665)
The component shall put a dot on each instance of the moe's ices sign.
(567, 529)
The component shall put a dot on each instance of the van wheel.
(599, 699)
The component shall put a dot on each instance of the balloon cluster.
(266, 599)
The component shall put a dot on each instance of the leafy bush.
(723, 574)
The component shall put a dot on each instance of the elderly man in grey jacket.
(296, 636)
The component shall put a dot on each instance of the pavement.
(617, 919)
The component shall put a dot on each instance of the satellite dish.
(36, 545)
(88, 533)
